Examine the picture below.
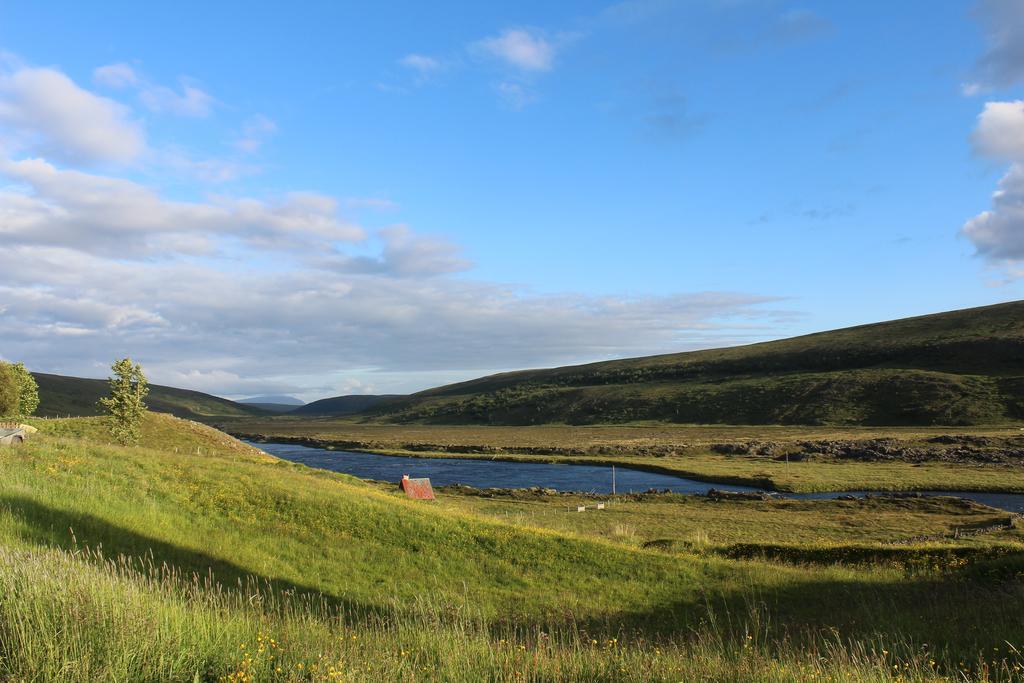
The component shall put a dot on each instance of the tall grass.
(74, 615)
(300, 571)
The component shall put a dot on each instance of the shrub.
(28, 390)
(128, 388)
(8, 390)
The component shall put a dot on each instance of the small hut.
(417, 489)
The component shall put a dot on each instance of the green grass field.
(194, 557)
(699, 522)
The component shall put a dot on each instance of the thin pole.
(613, 480)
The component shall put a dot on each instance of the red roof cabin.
(417, 489)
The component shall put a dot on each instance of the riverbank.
(727, 525)
(492, 476)
(794, 460)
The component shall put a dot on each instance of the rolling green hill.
(193, 557)
(273, 404)
(957, 368)
(342, 405)
(269, 407)
(75, 396)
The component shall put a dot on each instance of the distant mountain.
(277, 399)
(272, 407)
(344, 405)
(76, 396)
(274, 404)
(957, 368)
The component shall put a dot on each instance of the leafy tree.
(8, 390)
(128, 388)
(28, 390)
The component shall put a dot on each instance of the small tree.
(125, 404)
(8, 390)
(28, 390)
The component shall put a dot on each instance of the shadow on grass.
(964, 609)
(68, 530)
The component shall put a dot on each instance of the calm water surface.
(514, 475)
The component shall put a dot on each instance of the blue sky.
(320, 199)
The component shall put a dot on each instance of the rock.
(719, 494)
(731, 448)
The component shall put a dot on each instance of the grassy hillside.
(269, 407)
(342, 405)
(273, 404)
(61, 396)
(958, 368)
(195, 557)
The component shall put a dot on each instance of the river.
(481, 473)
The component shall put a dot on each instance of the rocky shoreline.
(968, 449)
(946, 448)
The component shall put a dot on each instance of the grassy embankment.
(715, 525)
(310, 575)
(687, 451)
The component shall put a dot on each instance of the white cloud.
(408, 254)
(256, 130)
(515, 95)
(972, 89)
(48, 113)
(404, 254)
(1000, 131)
(190, 101)
(521, 48)
(1003, 62)
(115, 76)
(421, 63)
(424, 67)
(189, 323)
(208, 170)
(114, 216)
(254, 294)
(998, 234)
(238, 293)
(80, 313)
